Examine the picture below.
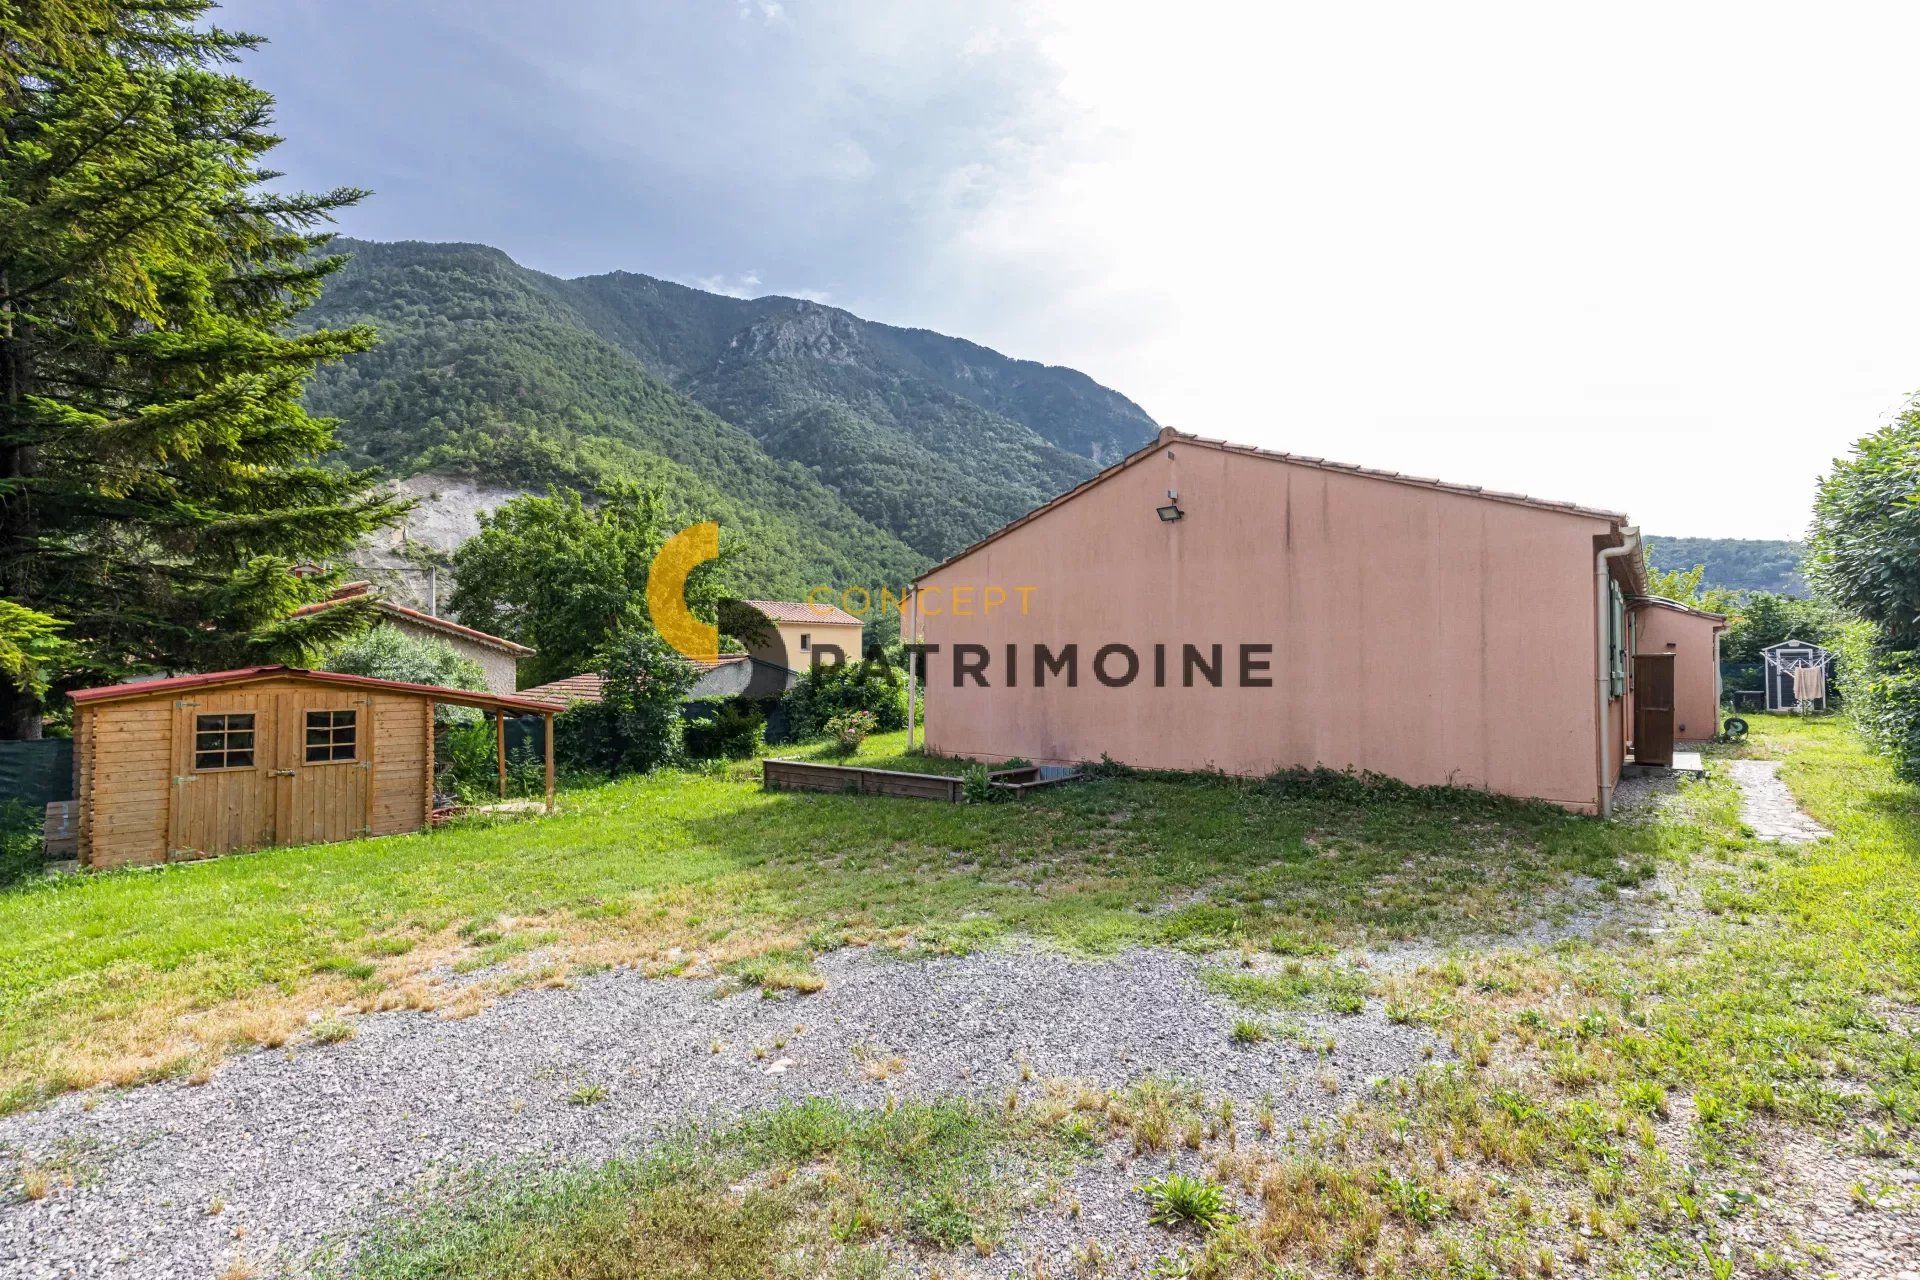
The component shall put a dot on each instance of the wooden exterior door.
(223, 794)
(1653, 708)
(324, 764)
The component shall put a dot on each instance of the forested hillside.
(831, 449)
(1742, 564)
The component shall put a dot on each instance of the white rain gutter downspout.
(1603, 664)
(910, 624)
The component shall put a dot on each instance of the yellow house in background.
(798, 629)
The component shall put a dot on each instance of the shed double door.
(1653, 709)
(269, 767)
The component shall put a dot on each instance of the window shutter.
(1617, 642)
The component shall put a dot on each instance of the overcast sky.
(1659, 258)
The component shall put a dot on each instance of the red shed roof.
(245, 675)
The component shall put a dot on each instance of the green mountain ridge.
(831, 449)
(1740, 564)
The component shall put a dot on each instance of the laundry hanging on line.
(1810, 683)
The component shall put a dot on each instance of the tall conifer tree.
(158, 476)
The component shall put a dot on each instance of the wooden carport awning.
(453, 697)
(502, 705)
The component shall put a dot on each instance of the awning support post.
(500, 748)
(549, 719)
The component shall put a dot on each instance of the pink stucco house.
(1693, 637)
(1205, 605)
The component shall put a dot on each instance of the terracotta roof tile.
(586, 687)
(434, 623)
(431, 622)
(564, 693)
(804, 611)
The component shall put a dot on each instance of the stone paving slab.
(1768, 807)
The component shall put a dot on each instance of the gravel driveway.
(301, 1148)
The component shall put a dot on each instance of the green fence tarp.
(36, 773)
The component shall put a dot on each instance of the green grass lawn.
(1615, 1105)
(134, 975)
(1618, 1105)
(1640, 1091)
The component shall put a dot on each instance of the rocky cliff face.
(409, 561)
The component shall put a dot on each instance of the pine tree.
(158, 476)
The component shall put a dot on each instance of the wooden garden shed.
(201, 765)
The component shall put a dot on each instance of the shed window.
(331, 736)
(223, 741)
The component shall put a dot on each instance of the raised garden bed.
(804, 775)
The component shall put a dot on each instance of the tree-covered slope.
(892, 447)
(904, 452)
(683, 334)
(480, 370)
(1740, 564)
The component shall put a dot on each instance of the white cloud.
(1662, 261)
(747, 284)
(744, 285)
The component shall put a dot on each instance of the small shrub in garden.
(470, 773)
(388, 653)
(976, 787)
(731, 730)
(22, 836)
(849, 729)
(825, 692)
(636, 725)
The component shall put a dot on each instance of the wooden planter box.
(1032, 777)
(802, 775)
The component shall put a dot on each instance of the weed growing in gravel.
(813, 1188)
(332, 1031)
(1179, 1200)
(877, 1064)
(1155, 1109)
(1246, 1031)
(587, 1095)
(777, 971)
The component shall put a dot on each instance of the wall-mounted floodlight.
(1171, 512)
